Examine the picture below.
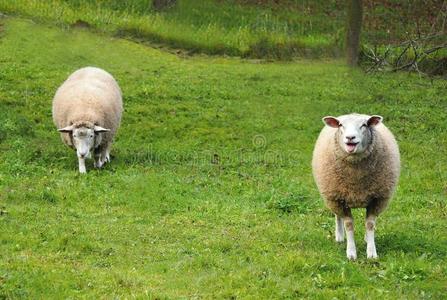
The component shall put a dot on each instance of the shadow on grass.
(411, 244)
(264, 48)
(190, 47)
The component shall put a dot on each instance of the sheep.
(87, 110)
(356, 164)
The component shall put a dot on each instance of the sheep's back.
(89, 94)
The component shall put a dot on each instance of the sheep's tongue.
(350, 147)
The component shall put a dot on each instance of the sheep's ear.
(100, 129)
(331, 121)
(374, 120)
(66, 129)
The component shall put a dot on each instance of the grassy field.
(207, 26)
(269, 29)
(209, 193)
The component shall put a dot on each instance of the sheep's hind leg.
(370, 225)
(351, 251)
(339, 229)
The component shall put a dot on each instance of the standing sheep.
(356, 164)
(87, 111)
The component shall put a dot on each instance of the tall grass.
(212, 27)
(248, 28)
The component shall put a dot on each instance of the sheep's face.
(84, 141)
(84, 138)
(354, 131)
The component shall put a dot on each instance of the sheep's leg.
(370, 225)
(348, 221)
(98, 157)
(102, 155)
(107, 154)
(82, 168)
(339, 229)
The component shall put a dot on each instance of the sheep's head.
(85, 137)
(354, 132)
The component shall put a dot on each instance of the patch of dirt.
(81, 24)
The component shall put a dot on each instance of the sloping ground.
(210, 27)
(256, 29)
(209, 193)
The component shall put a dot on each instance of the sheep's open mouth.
(350, 147)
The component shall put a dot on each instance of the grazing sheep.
(87, 111)
(356, 164)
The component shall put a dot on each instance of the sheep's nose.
(82, 155)
(350, 138)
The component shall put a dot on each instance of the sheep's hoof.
(339, 238)
(82, 171)
(351, 254)
(99, 164)
(371, 254)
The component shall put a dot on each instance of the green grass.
(207, 26)
(209, 193)
(247, 28)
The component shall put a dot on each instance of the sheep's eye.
(91, 135)
(363, 125)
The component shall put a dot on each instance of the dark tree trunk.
(355, 16)
(160, 5)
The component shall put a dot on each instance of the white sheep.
(87, 111)
(356, 164)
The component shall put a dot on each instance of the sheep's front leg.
(99, 162)
(370, 225)
(102, 155)
(348, 221)
(339, 229)
(107, 154)
(82, 168)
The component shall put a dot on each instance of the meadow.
(263, 29)
(209, 193)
